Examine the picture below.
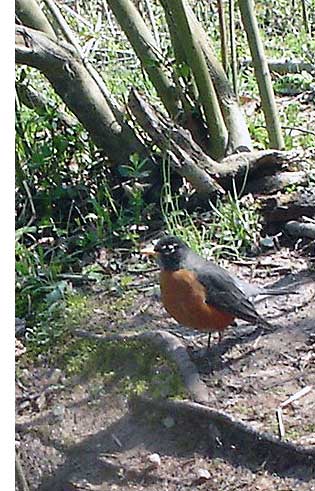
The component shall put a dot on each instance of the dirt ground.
(73, 435)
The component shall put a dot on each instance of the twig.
(300, 393)
(296, 128)
(281, 430)
(31, 204)
(19, 475)
(153, 23)
(143, 271)
(294, 397)
(76, 15)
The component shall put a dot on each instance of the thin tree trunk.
(208, 98)
(144, 44)
(262, 74)
(238, 134)
(31, 15)
(233, 47)
(223, 35)
(71, 38)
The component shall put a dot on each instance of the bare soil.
(80, 434)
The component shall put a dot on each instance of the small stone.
(59, 411)
(267, 242)
(202, 476)
(155, 459)
(55, 376)
(41, 401)
(19, 348)
(168, 422)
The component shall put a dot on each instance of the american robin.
(202, 295)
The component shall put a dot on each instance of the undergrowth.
(231, 228)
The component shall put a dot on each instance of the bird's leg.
(209, 341)
(220, 336)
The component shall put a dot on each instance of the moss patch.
(131, 367)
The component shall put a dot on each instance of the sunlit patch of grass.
(232, 229)
(52, 325)
(130, 366)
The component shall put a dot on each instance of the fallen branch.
(188, 159)
(286, 66)
(75, 85)
(226, 435)
(287, 207)
(37, 101)
(183, 153)
(297, 229)
(168, 344)
(271, 184)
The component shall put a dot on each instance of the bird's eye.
(172, 248)
(169, 248)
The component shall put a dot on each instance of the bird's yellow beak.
(149, 251)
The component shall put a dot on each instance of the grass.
(130, 367)
(53, 322)
(231, 227)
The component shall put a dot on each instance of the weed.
(55, 317)
(234, 228)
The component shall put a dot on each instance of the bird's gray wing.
(229, 295)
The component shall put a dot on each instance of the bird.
(202, 295)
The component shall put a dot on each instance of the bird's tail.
(263, 323)
(278, 291)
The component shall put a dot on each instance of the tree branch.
(79, 91)
(31, 15)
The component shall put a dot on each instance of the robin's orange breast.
(184, 298)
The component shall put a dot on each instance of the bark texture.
(74, 84)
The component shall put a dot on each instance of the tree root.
(171, 347)
(226, 435)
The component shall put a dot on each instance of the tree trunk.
(31, 15)
(262, 73)
(143, 43)
(79, 91)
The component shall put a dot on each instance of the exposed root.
(228, 436)
(168, 344)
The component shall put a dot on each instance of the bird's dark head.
(169, 252)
